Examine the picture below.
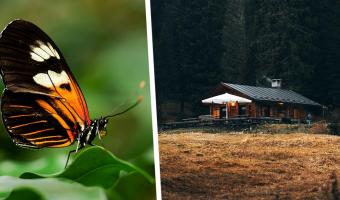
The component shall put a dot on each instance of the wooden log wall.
(258, 110)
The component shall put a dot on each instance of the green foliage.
(47, 189)
(93, 170)
(102, 170)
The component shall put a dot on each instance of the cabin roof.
(271, 94)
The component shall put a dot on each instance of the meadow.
(238, 165)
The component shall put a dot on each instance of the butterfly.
(42, 104)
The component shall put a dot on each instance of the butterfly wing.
(36, 75)
(36, 121)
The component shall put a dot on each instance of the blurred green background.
(105, 45)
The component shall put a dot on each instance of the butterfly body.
(95, 129)
(42, 104)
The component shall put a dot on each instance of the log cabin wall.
(302, 113)
(299, 112)
(290, 111)
(256, 109)
(273, 111)
(276, 110)
(248, 110)
(252, 110)
(296, 113)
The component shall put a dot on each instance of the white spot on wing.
(51, 78)
(41, 51)
(54, 51)
(45, 48)
(43, 79)
(36, 57)
(57, 78)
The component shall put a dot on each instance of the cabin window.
(223, 112)
(242, 110)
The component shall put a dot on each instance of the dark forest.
(198, 44)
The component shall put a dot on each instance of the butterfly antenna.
(139, 99)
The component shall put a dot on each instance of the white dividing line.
(153, 100)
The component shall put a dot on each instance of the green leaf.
(25, 193)
(50, 163)
(95, 166)
(47, 189)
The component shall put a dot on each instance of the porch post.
(226, 110)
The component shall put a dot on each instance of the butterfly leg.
(79, 146)
(69, 154)
(68, 157)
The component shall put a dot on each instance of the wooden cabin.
(233, 100)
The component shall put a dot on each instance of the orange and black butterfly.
(42, 104)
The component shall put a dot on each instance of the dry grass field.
(249, 166)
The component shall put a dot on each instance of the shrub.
(320, 127)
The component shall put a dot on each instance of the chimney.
(276, 83)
